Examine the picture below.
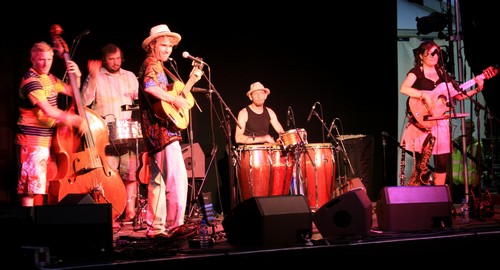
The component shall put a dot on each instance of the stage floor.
(132, 250)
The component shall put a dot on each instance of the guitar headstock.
(60, 45)
(490, 72)
(198, 64)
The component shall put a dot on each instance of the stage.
(250, 239)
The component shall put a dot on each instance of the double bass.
(81, 160)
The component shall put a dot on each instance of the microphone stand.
(451, 105)
(491, 143)
(226, 127)
(384, 157)
(343, 150)
(297, 187)
(478, 106)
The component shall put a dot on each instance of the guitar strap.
(170, 74)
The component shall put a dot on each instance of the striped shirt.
(35, 128)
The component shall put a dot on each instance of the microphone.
(312, 110)
(435, 51)
(196, 59)
(288, 116)
(83, 33)
(199, 90)
(332, 126)
(384, 135)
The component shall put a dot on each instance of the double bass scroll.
(81, 158)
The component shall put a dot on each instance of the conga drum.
(293, 137)
(263, 170)
(317, 165)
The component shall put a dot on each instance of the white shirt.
(109, 92)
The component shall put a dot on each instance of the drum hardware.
(141, 202)
(128, 107)
(297, 187)
(140, 214)
(131, 107)
(122, 132)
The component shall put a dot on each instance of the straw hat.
(257, 86)
(158, 31)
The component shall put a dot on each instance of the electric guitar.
(427, 114)
(167, 110)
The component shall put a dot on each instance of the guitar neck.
(470, 83)
(189, 84)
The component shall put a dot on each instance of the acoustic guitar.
(427, 114)
(143, 173)
(167, 110)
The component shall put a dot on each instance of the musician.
(107, 88)
(168, 185)
(421, 82)
(254, 120)
(38, 118)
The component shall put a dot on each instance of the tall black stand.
(225, 124)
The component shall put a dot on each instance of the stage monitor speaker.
(347, 214)
(414, 208)
(269, 221)
(74, 231)
(76, 198)
(197, 161)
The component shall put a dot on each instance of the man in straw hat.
(168, 184)
(255, 118)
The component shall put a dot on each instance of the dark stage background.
(343, 58)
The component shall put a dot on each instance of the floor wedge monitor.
(413, 208)
(269, 221)
(347, 214)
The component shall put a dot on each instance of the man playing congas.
(263, 168)
(254, 120)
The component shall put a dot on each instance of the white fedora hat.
(158, 31)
